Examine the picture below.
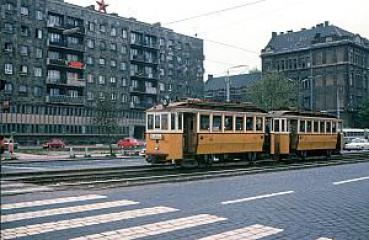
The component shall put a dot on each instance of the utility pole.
(228, 82)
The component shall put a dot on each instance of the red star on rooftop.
(102, 6)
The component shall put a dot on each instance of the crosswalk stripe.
(65, 210)
(156, 228)
(252, 232)
(29, 230)
(50, 201)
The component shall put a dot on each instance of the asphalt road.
(36, 166)
(319, 203)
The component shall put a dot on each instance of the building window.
(24, 11)
(90, 43)
(123, 66)
(124, 82)
(113, 80)
(89, 60)
(124, 33)
(161, 87)
(123, 50)
(113, 46)
(101, 96)
(39, 33)
(22, 89)
(8, 88)
(8, 27)
(39, 15)
(37, 72)
(113, 32)
(53, 75)
(8, 47)
(90, 78)
(23, 50)
(103, 45)
(102, 28)
(23, 69)
(9, 7)
(102, 61)
(91, 26)
(101, 79)
(72, 76)
(8, 68)
(90, 96)
(38, 53)
(24, 31)
(54, 37)
(113, 63)
(124, 98)
(113, 96)
(37, 91)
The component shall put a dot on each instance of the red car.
(54, 143)
(128, 143)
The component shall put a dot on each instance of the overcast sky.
(249, 27)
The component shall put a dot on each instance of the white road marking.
(30, 230)
(156, 228)
(257, 197)
(50, 201)
(252, 232)
(324, 238)
(65, 210)
(351, 180)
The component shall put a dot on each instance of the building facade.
(329, 64)
(60, 61)
(239, 87)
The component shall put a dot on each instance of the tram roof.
(190, 105)
(301, 114)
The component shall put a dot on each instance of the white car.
(358, 144)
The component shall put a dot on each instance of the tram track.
(140, 175)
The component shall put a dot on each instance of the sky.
(248, 29)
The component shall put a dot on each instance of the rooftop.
(236, 81)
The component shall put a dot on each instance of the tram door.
(188, 132)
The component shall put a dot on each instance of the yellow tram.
(213, 131)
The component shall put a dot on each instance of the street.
(319, 203)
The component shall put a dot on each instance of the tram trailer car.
(213, 131)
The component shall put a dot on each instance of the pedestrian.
(11, 147)
(2, 146)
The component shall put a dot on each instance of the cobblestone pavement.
(320, 203)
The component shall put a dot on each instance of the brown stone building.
(329, 64)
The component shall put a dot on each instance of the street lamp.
(228, 82)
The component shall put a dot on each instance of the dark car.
(54, 143)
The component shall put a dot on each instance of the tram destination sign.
(156, 136)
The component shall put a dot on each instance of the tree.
(106, 120)
(275, 91)
(363, 114)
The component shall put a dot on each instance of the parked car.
(129, 143)
(357, 144)
(54, 143)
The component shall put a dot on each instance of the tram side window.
(249, 123)
(157, 121)
(321, 127)
(283, 125)
(217, 123)
(334, 127)
(204, 122)
(239, 123)
(328, 127)
(150, 122)
(276, 125)
(316, 126)
(173, 121)
(308, 126)
(164, 121)
(259, 124)
(179, 121)
(228, 123)
(302, 126)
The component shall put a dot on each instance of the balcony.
(141, 106)
(65, 63)
(142, 59)
(69, 82)
(61, 27)
(145, 44)
(67, 45)
(142, 75)
(64, 99)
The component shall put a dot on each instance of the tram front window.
(164, 121)
(150, 122)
